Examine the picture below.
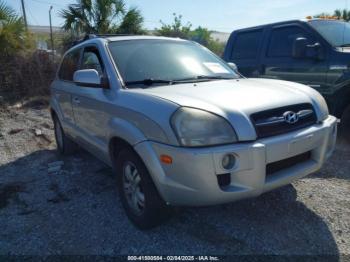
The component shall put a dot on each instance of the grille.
(287, 163)
(273, 122)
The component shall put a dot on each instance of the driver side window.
(92, 60)
(281, 41)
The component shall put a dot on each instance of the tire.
(65, 145)
(344, 129)
(139, 196)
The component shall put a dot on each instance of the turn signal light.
(166, 159)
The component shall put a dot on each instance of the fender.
(342, 100)
(125, 130)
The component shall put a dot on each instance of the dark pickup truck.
(315, 52)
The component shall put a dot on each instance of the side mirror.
(317, 51)
(87, 77)
(299, 47)
(233, 66)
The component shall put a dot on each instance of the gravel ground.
(77, 211)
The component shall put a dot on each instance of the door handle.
(76, 100)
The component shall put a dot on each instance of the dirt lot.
(76, 209)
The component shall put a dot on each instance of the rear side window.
(282, 39)
(247, 44)
(69, 65)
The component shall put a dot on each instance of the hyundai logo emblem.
(291, 117)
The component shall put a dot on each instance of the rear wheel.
(64, 144)
(344, 129)
(139, 196)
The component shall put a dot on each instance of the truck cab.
(314, 52)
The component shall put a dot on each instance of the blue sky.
(220, 15)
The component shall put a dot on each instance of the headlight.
(194, 127)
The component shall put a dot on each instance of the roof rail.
(110, 35)
(92, 36)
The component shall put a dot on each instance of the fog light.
(228, 161)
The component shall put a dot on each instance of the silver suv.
(180, 127)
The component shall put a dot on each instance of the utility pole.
(24, 15)
(51, 35)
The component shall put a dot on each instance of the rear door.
(64, 86)
(278, 62)
(246, 46)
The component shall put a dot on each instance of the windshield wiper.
(214, 77)
(199, 78)
(148, 82)
(345, 45)
(203, 78)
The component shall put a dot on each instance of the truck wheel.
(139, 196)
(65, 145)
(345, 125)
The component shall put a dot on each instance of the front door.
(89, 104)
(279, 63)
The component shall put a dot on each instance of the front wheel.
(140, 198)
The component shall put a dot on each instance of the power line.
(32, 16)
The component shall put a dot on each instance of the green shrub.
(200, 34)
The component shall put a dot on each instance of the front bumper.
(191, 179)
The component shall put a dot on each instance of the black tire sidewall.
(345, 125)
(155, 208)
(68, 146)
(56, 123)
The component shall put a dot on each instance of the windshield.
(336, 33)
(162, 61)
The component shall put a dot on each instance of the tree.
(101, 16)
(132, 23)
(342, 14)
(217, 47)
(176, 29)
(13, 36)
(200, 34)
(338, 14)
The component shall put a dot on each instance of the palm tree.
(101, 16)
(13, 35)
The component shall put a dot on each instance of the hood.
(235, 99)
(245, 95)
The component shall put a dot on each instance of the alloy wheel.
(133, 188)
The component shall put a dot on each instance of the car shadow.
(338, 165)
(273, 223)
(76, 210)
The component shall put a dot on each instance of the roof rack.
(108, 35)
(92, 36)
